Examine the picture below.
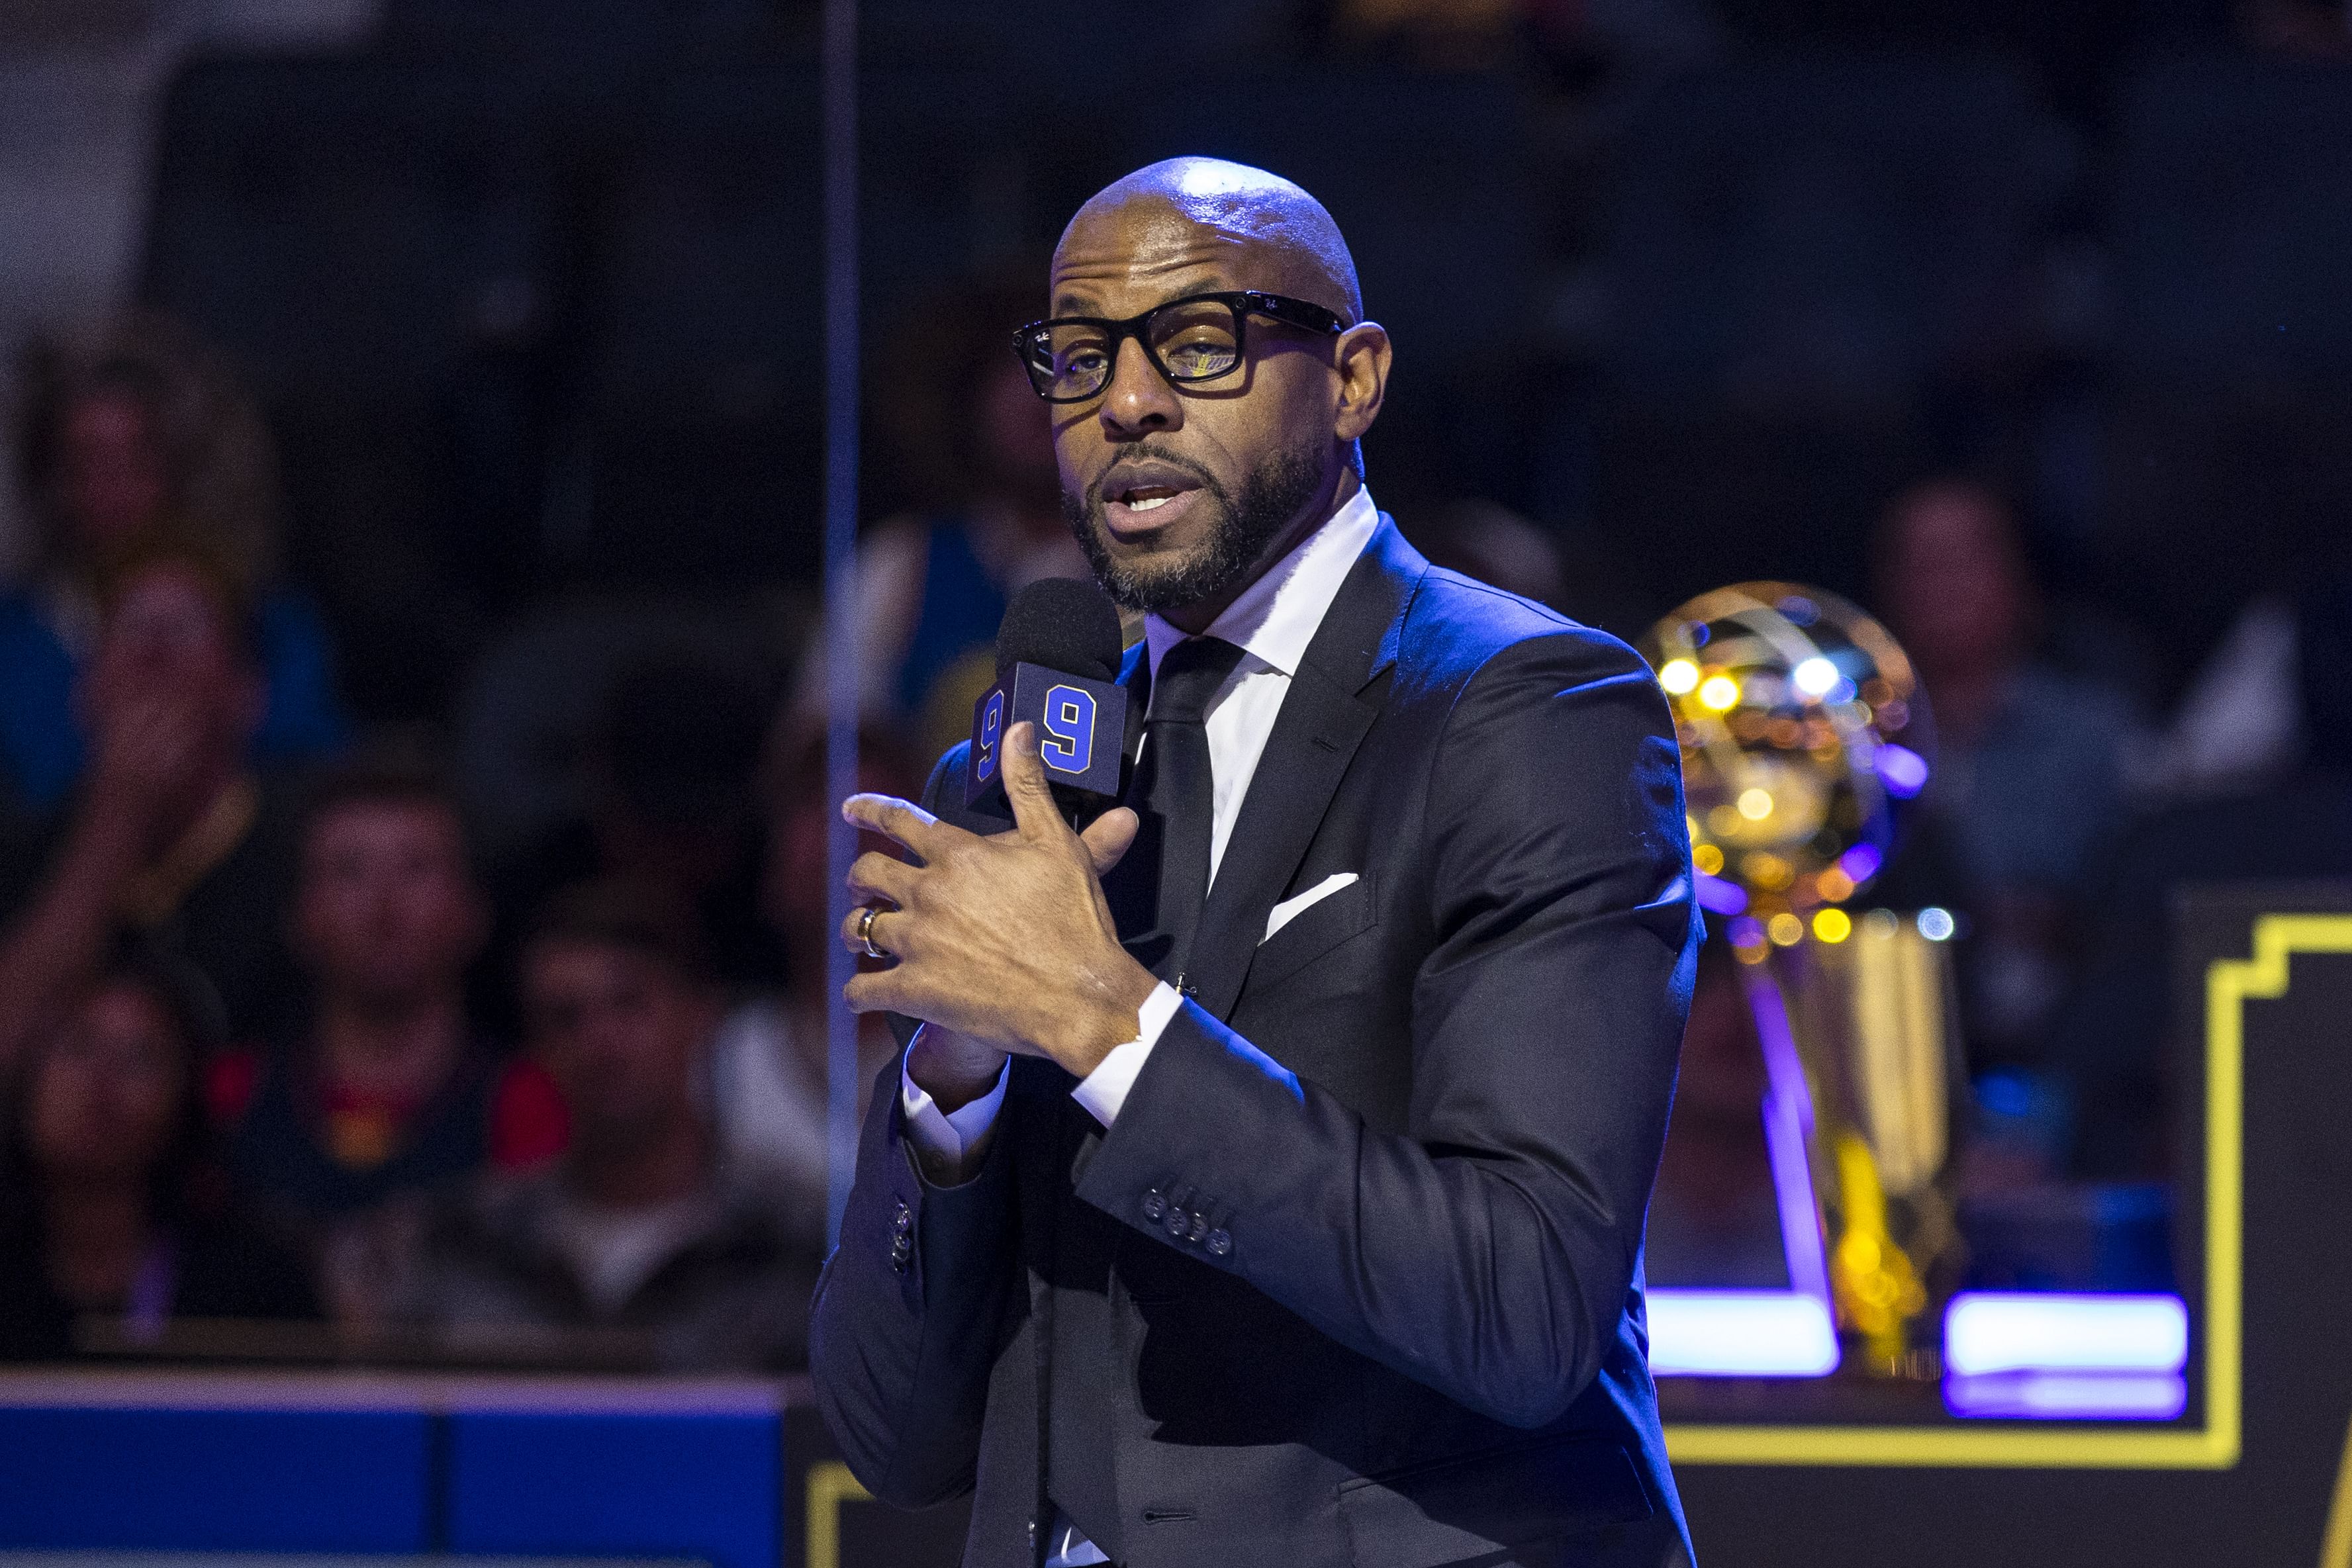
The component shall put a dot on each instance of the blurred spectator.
(643, 1226)
(107, 1213)
(1440, 34)
(2109, 1039)
(133, 440)
(974, 448)
(171, 834)
(769, 1060)
(2294, 29)
(2029, 776)
(1495, 544)
(674, 807)
(1715, 1218)
(381, 1089)
(1576, 570)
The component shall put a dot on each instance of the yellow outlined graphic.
(2336, 1546)
(830, 1485)
(2229, 983)
(2319, 934)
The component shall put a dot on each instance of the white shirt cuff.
(1104, 1091)
(950, 1143)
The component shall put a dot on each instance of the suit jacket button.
(1220, 1243)
(1154, 1205)
(1178, 1219)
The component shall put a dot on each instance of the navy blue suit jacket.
(1376, 1200)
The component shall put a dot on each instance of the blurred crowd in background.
(413, 912)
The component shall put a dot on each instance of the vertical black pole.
(841, 617)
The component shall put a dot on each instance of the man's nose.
(1139, 400)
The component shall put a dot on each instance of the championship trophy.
(1801, 727)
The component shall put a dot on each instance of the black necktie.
(1156, 892)
(1162, 884)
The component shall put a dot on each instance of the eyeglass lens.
(1193, 339)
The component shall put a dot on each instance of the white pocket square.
(1290, 909)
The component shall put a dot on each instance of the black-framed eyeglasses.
(1196, 338)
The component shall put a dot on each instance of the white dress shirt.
(1272, 622)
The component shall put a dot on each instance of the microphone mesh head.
(1064, 623)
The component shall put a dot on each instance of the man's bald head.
(1183, 209)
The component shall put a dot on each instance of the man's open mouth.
(1146, 492)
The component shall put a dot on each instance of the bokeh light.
(1747, 941)
(1801, 727)
(1815, 678)
(1904, 770)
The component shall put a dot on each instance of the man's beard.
(1275, 492)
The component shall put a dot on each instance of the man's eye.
(1197, 356)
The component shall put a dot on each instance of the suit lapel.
(1135, 677)
(1323, 717)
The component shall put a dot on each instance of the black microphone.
(1057, 658)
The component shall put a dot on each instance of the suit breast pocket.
(1321, 927)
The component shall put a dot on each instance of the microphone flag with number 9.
(1081, 733)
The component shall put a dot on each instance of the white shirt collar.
(1276, 616)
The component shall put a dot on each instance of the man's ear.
(1362, 362)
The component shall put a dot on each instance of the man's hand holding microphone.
(1003, 943)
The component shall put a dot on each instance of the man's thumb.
(1108, 837)
(1026, 788)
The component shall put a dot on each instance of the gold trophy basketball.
(1800, 723)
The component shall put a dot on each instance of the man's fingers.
(872, 993)
(856, 928)
(1107, 837)
(875, 875)
(901, 820)
(1026, 785)
(892, 931)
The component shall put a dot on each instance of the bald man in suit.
(1265, 1181)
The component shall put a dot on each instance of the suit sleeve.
(1488, 1254)
(905, 1328)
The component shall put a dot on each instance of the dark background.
(531, 291)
